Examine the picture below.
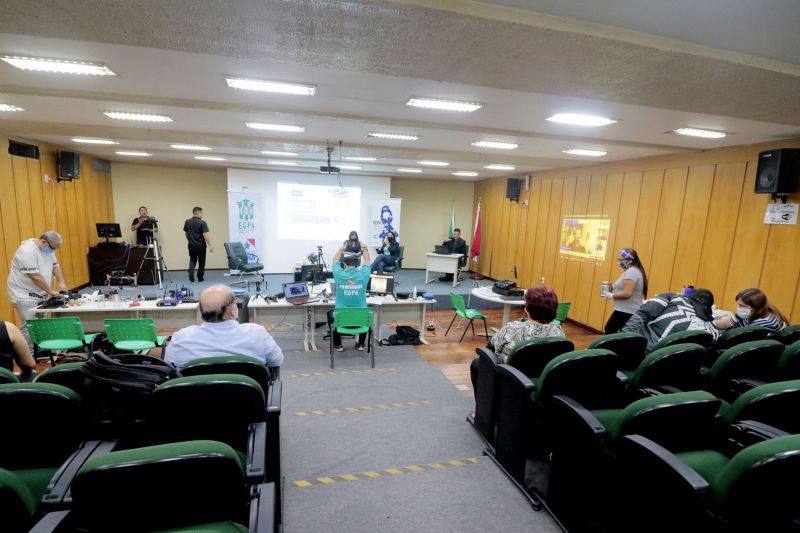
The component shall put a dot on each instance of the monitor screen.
(379, 284)
(310, 272)
(108, 230)
(294, 290)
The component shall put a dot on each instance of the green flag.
(452, 222)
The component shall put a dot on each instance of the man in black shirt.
(456, 245)
(197, 236)
(145, 227)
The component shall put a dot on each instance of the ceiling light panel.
(696, 132)
(275, 127)
(465, 173)
(349, 167)
(209, 158)
(393, 136)
(84, 140)
(582, 151)
(410, 170)
(433, 163)
(60, 66)
(441, 104)
(9, 108)
(496, 145)
(132, 153)
(283, 163)
(500, 167)
(574, 119)
(353, 158)
(270, 86)
(138, 117)
(286, 154)
(190, 147)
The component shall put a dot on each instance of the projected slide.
(585, 237)
(317, 212)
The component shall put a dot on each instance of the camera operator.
(145, 227)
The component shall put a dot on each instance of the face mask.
(743, 312)
(623, 265)
(390, 239)
(46, 249)
(353, 238)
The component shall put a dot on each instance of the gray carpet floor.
(387, 450)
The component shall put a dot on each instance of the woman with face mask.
(629, 290)
(387, 254)
(753, 309)
(353, 247)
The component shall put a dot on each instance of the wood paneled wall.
(29, 206)
(693, 218)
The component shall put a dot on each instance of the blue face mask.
(623, 265)
(46, 249)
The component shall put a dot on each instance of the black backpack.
(405, 335)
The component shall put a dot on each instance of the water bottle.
(415, 292)
(605, 286)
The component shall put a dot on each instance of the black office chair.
(238, 261)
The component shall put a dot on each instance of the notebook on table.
(297, 293)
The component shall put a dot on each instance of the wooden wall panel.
(528, 244)
(517, 233)
(553, 231)
(561, 262)
(579, 207)
(501, 259)
(666, 236)
(781, 284)
(29, 206)
(647, 214)
(603, 269)
(537, 267)
(693, 226)
(795, 311)
(584, 294)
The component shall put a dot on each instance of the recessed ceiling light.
(410, 170)
(132, 154)
(191, 147)
(275, 127)
(582, 151)
(466, 173)
(433, 163)
(496, 145)
(353, 158)
(500, 167)
(271, 86)
(287, 154)
(350, 167)
(575, 119)
(209, 158)
(93, 141)
(62, 66)
(393, 136)
(9, 107)
(441, 104)
(284, 163)
(695, 132)
(141, 117)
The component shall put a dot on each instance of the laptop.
(297, 293)
(441, 249)
(380, 285)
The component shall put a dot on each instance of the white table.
(485, 293)
(93, 314)
(447, 263)
(385, 309)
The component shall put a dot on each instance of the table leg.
(422, 324)
(312, 327)
(426, 276)
(378, 328)
(506, 313)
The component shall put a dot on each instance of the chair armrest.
(256, 451)
(262, 509)
(737, 387)
(274, 397)
(745, 433)
(274, 373)
(573, 425)
(622, 378)
(50, 522)
(659, 465)
(58, 490)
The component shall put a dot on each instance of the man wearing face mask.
(387, 254)
(30, 280)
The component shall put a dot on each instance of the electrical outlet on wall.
(46, 178)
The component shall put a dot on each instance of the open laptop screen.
(295, 290)
(379, 284)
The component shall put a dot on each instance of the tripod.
(159, 264)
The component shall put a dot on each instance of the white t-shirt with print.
(29, 259)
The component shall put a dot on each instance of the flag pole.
(476, 242)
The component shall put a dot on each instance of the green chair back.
(776, 404)
(532, 355)
(703, 338)
(230, 364)
(56, 333)
(677, 366)
(132, 333)
(788, 335)
(17, 502)
(587, 376)
(458, 304)
(735, 336)
(789, 363)
(754, 359)
(7, 376)
(66, 374)
(352, 320)
(630, 348)
(561, 312)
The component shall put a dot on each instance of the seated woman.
(540, 311)
(14, 348)
(753, 309)
(387, 254)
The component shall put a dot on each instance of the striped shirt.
(772, 323)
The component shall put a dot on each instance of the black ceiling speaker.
(23, 149)
(69, 165)
(512, 188)
(778, 171)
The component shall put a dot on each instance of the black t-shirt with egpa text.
(194, 228)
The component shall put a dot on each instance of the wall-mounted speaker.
(23, 149)
(778, 171)
(512, 188)
(69, 165)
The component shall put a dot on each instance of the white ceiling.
(367, 58)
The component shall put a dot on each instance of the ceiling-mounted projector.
(328, 169)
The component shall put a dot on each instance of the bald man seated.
(222, 334)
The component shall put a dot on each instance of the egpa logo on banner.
(246, 215)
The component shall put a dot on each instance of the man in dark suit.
(456, 245)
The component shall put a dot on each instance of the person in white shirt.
(222, 334)
(30, 280)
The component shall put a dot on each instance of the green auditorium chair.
(461, 310)
(776, 404)
(485, 395)
(67, 374)
(353, 321)
(7, 376)
(532, 355)
(196, 486)
(630, 348)
(561, 312)
(674, 368)
(787, 335)
(232, 364)
(789, 363)
(754, 360)
(708, 491)
(133, 334)
(703, 338)
(57, 335)
(732, 337)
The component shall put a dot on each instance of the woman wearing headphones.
(629, 291)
